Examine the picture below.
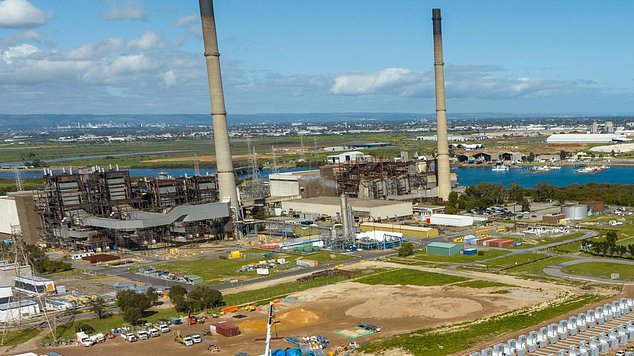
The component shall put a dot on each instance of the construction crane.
(267, 350)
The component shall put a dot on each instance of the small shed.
(444, 248)
(194, 279)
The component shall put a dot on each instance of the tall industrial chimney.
(442, 166)
(226, 178)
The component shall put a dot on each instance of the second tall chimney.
(442, 166)
(226, 175)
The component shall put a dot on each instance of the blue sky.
(133, 56)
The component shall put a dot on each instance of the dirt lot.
(326, 310)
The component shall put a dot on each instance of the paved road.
(556, 271)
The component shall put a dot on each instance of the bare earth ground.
(326, 310)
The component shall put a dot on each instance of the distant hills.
(47, 121)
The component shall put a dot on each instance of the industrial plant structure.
(99, 208)
(444, 180)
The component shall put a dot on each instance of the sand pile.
(252, 325)
(412, 306)
(299, 316)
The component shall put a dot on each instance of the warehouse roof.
(442, 244)
(362, 203)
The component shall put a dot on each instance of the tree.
(611, 237)
(544, 192)
(177, 294)
(530, 157)
(151, 293)
(204, 297)
(87, 328)
(98, 305)
(406, 249)
(132, 304)
(452, 203)
(630, 248)
(132, 315)
(563, 155)
(526, 206)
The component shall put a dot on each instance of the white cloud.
(357, 84)
(18, 52)
(169, 78)
(94, 50)
(462, 81)
(185, 20)
(119, 68)
(20, 13)
(127, 10)
(147, 40)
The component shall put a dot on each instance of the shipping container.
(307, 263)
(227, 329)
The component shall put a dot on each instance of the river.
(466, 175)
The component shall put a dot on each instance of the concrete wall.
(392, 211)
(28, 216)
(283, 187)
(8, 214)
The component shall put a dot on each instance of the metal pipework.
(226, 175)
(442, 167)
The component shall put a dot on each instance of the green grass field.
(405, 276)
(12, 338)
(423, 256)
(537, 268)
(481, 284)
(432, 342)
(515, 260)
(602, 270)
(214, 270)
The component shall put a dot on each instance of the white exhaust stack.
(226, 175)
(442, 166)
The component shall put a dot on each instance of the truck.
(143, 335)
(196, 338)
(129, 337)
(164, 328)
(154, 332)
(98, 338)
(187, 340)
(83, 339)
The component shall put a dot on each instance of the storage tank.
(575, 211)
(450, 220)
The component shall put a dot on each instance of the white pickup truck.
(143, 335)
(130, 337)
(164, 328)
(154, 332)
(188, 341)
(83, 339)
(197, 339)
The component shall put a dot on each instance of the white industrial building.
(362, 208)
(293, 184)
(352, 156)
(585, 138)
(453, 220)
(8, 214)
(34, 284)
(16, 310)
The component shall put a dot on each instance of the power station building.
(363, 209)
(106, 208)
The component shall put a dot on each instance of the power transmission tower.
(18, 179)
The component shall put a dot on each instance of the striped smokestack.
(442, 167)
(226, 177)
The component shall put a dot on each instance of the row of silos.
(553, 333)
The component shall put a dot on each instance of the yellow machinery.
(458, 240)
(235, 255)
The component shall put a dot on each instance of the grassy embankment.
(602, 270)
(432, 342)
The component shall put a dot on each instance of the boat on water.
(592, 169)
(500, 168)
(544, 168)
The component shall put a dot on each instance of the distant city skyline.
(133, 56)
